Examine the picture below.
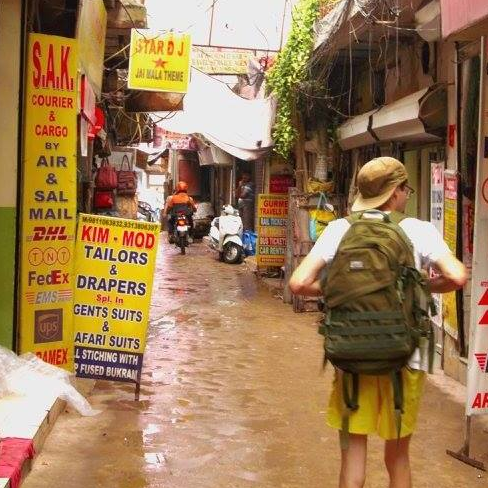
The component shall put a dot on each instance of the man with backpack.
(378, 335)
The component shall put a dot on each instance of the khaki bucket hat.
(377, 180)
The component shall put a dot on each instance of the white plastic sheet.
(27, 375)
(238, 126)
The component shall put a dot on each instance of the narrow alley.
(232, 396)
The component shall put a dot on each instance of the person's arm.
(436, 253)
(192, 204)
(452, 275)
(167, 206)
(305, 280)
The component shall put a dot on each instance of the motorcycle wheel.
(232, 253)
(182, 245)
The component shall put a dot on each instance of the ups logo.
(48, 325)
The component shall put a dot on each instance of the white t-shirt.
(428, 246)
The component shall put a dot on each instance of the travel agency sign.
(159, 62)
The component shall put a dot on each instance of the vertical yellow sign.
(115, 260)
(449, 304)
(49, 200)
(272, 222)
(159, 62)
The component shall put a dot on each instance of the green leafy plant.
(290, 70)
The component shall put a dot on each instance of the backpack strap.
(350, 403)
(397, 383)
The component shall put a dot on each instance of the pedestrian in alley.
(377, 403)
(245, 200)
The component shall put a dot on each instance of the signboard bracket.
(463, 453)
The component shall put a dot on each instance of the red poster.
(280, 183)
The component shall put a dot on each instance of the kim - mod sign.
(114, 270)
(159, 62)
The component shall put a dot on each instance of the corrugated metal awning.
(404, 120)
(416, 117)
(356, 132)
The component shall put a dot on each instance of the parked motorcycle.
(146, 213)
(181, 236)
(225, 235)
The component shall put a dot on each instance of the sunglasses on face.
(409, 190)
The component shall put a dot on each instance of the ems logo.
(482, 361)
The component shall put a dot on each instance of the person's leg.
(190, 223)
(398, 463)
(353, 462)
(171, 227)
(397, 451)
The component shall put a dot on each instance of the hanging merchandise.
(126, 179)
(315, 186)
(106, 177)
(320, 217)
(103, 199)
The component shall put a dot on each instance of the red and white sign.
(88, 100)
(484, 191)
(477, 387)
(171, 140)
(280, 183)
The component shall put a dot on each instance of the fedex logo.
(55, 277)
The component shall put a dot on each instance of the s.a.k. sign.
(49, 199)
(159, 62)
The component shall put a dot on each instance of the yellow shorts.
(376, 408)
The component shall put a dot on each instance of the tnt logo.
(52, 233)
(482, 359)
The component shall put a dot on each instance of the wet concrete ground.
(232, 396)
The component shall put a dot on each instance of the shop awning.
(356, 132)
(419, 117)
(428, 21)
(238, 126)
(406, 120)
(416, 117)
(211, 155)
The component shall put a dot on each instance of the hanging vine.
(290, 70)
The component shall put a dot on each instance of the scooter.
(225, 235)
(181, 232)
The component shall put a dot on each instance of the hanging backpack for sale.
(376, 307)
(106, 176)
(126, 179)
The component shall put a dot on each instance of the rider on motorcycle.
(179, 202)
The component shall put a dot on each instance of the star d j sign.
(159, 62)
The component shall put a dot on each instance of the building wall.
(454, 365)
(411, 76)
(459, 15)
(10, 60)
